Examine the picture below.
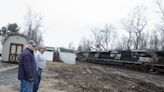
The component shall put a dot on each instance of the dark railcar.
(91, 54)
(104, 55)
(81, 55)
(134, 59)
(160, 55)
(158, 66)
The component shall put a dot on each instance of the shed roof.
(13, 34)
(66, 50)
(46, 48)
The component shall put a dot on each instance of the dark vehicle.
(134, 59)
(158, 66)
(81, 55)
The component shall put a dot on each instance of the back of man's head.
(31, 45)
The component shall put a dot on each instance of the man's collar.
(39, 52)
(29, 50)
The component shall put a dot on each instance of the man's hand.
(30, 79)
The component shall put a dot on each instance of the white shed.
(13, 45)
(1, 49)
(65, 55)
(48, 54)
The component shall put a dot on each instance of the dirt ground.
(85, 77)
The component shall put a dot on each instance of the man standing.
(27, 68)
(41, 63)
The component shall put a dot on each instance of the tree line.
(134, 24)
(32, 28)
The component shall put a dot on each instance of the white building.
(48, 54)
(65, 55)
(13, 45)
(1, 49)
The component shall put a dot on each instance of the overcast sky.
(69, 20)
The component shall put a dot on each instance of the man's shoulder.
(25, 52)
(37, 53)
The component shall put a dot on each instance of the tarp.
(66, 57)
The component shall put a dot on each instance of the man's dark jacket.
(27, 65)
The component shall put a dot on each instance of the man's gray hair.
(28, 45)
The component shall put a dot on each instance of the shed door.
(15, 51)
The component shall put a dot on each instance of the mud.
(84, 77)
(95, 78)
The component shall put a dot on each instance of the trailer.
(138, 60)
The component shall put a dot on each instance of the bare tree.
(80, 48)
(144, 41)
(139, 23)
(160, 25)
(128, 25)
(33, 26)
(161, 39)
(103, 38)
(161, 9)
(121, 44)
(155, 40)
(84, 44)
(71, 46)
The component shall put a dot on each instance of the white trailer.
(65, 55)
